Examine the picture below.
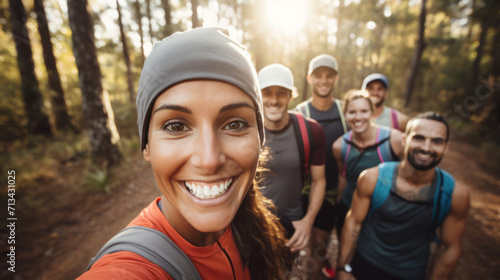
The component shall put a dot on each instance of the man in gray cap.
(325, 109)
(377, 86)
(287, 165)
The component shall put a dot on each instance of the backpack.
(383, 135)
(304, 138)
(304, 109)
(442, 196)
(154, 246)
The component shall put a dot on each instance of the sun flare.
(286, 16)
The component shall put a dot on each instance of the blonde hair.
(354, 94)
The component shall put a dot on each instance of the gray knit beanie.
(202, 53)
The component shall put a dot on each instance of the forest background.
(69, 71)
(71, 104)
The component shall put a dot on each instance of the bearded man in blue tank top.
(393, 240)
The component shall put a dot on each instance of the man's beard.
(380, 103)
(421, 167)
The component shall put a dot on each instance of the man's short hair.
(429, 116)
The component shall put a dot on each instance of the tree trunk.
(148, 13)
(471, 26)
(479, 55)
(59, 108)
(495, 74)
(194, 10)
(38, 121)
(259, 38)
(168, 30)
(101, 127)
(305, 83)
(126, 56)
(415, 62)
(138, 15)
(340, 46)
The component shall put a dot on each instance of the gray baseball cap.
(203, 53)
(324, 60)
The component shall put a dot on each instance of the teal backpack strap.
(442, 197)
(383, 186)
(154, 246)
(341, 114)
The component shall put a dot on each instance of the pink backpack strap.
(347, 153)
(394, 119)
(378, 148)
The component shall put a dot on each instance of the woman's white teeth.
(206, 191)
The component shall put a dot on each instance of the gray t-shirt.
(282, 183)
(282, 186)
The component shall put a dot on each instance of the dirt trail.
(60, 244)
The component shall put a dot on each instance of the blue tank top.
(356, 162)
(397, 236)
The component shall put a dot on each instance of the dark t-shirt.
(283, 183)
(332, 126)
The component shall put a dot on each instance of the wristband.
(347, 268)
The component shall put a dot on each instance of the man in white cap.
(377, 86)
(291, 163)
(327, 111)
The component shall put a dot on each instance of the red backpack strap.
(305, 139)
(302, 133)
(394, 119)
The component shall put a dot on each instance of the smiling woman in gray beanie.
(200, 124)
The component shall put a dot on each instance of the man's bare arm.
(356, 215)
(451, 234)
(303, 227)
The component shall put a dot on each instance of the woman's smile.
(205, 190)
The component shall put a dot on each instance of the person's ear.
(145, 153)
(308, 79)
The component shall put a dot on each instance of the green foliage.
(452, 31)
(98, 180)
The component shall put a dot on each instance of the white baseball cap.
(324, 60)
(276, 75)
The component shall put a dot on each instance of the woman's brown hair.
(260, 236)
